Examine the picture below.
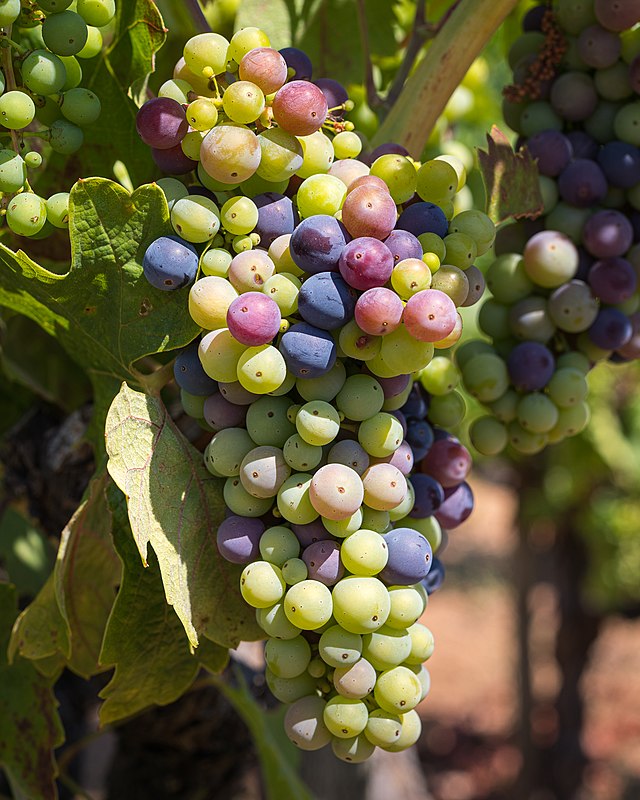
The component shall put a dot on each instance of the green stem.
(10, 80)
(426, 92)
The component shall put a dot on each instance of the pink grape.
(369, 211)
(430, 315)
(448, 462)
(336, 491)
(300, 107)
(384, 487)
(265, 67)
(379, 311)
(366, 263)
(254, 319)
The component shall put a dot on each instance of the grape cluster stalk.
(327, 284)
(43, 107)
(565, 286)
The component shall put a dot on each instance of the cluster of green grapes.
(325, 281)
(566, 286)
(41, 98)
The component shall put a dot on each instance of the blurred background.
(536, 673)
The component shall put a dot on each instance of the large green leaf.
(103, 311)
(144, 638)
(30, 728)
(87, 573)
(176, 505)
(25, 552)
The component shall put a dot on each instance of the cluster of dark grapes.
(40, 77)
(324, 285)
(565, 286)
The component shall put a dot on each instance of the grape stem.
(423, 97)
(197, 15)
(10, 80)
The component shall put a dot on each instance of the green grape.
(262, 369)
(325, 387)
(202, 113)
(294, 570)
(508, 280)
(43, 72)
(281, 155)
(355, 681)
(65, 34)
(429, 527)
(469, 350)
(58, 209)
(345, 717)
(574, 360)
(343, 528)
(241, 502)
(47, 110)
(261, 584)
(568, 387)
(461, 250)
(364, 553)
(360, 397)
(9, 12)
(215, 261)
(318, 422)
(409, 732)
(405, 506)
(293, 690)
(537, 117)
(244, 40)
(286, 386)
(294, 503)
(398, 690)
(456, 157)
(239, 215)
(26, 214)
(12, 172)
(447, 411)
(422, 673)
(437, 181)
(254, 185)
(274, 622)
(381, 434)
(375, 520)
(308, 605)
(354, 751)
(410, 276)
(211, 183)
(54, 6)
(347, 144)
(383, 728)
(360, 604)
(338, 647)
(192, 404)
(301, 455)
(476, 225)
(73, 71)
(525, 441)
(80, 106)
(422, 644)
(277, 545)
(227, 449)
(287, 658)
(407, 606)
(432, 243)
(355, 343)
(317, 154)
(453, 282)
(17, 110)
(400, 354)
(537, 413)
(493, 319)
(195, 218)
(396, 402)
(387, 647)
(209, 300)
(398, 173)
(97, 13)
(242, 243)
(505, 407)
(440, 376)
(220, 353)
(488, 436)
(93, 45)
(206, 50)
(267, 421)
(530, 319)
(33, 160)
(321, 194)
(575, 15)
(229, 154)
(571, 421)
(243, 102)
(65, 137)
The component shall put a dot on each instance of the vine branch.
(373, 98)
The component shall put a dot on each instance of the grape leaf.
(25, 552)
(86, 574)
(510, 179)
(176, 505)
(30, 728)
(103, 311)
(144, 637)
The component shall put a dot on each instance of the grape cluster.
(40, 44)
(565, 287)
(325, 284)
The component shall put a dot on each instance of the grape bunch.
(324, 284)
(565, 286)
(40, 47)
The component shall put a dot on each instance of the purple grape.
(410, 557)
(532, 20)
(366, 263)
(276, 217)
(573, 96)
(403, 245)
(531, 366)
(173, 161)
(326, 301)
(429, 495)
(190, 376)
(402, 458)
(613, 280)
(392, 387)
(323, 562)
(583, 145)
(611, 329)
(170, 263)
(308, 351)
(620, 163)
(401, 419)
(299, 62)
(420, 437)
(435, 578)
(585, 261)
(456, 506)
(582, 183)
(335, 93)
(631, 350)
(220, 413)
(317, 243)
(238, 539)
(607, 234)
(311, 532)
(253, 319)
(300, 108)
(448, 461)
(416, 406)
(553, 151)
(421, 218)
(162, 123)
(598, 47)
